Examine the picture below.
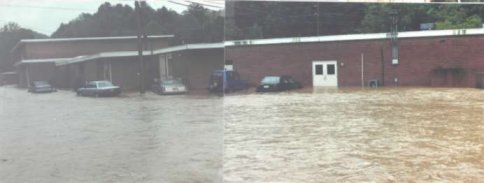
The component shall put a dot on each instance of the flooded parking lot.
(354, 135)
(59, 137)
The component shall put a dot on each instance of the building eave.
(355, 37)
(84, 58)
(23, 41)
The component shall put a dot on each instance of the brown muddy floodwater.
(354, 135)
(59, 137)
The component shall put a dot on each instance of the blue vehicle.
(226, 81)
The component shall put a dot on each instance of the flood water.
(58, 137)
(354, 135)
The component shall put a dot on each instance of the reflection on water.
(354, 135)
(59, 137)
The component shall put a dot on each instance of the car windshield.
(41, 83)
(171, 82)
(103, 84)
(271, 80)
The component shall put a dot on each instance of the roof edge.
(85, 39)
(354, 37)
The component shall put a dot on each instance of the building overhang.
(84, 58)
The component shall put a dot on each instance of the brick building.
(69, 62)
(443, 58)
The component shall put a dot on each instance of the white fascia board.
(189, 47)
(354, 37)
(102, 55)
(50, 60)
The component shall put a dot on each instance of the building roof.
(354, 37)
(23, 41)
(82, 58)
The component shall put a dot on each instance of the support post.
(362, 70)
(140, 47)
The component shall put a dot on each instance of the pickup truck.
(226, 81)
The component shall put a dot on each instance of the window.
(319, 69)
(331, 69)
(270, 80)
(91, 85)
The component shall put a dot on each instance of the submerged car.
(226, 81)
(278, 83)
(41, 87)
(169, 86)
(98, 89)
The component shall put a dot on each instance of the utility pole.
(394, 36)
(317, 18)
(140, 35)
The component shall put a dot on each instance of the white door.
(325, 73)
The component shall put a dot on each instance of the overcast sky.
(45, 16)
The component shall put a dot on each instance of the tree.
(457, 17)
(10, 34)
(196, 24)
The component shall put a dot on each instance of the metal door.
(325, 73)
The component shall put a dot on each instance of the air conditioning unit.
(374, 83)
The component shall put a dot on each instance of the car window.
(103, 84)
(271, 80)
(41, 83)
(171, 82)
(90, 85)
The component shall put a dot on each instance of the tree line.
(253, 20)
(194, 25)
(10, 34)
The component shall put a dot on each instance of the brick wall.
(420, 61)
(195, 67)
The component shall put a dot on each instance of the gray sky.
(45, 16)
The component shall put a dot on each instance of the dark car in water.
(278, 83)
(41, 87)
(99, 89)
(169, 86)
(226, 81)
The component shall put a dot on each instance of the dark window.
(331, 69)
(319, 69)
(90, 85)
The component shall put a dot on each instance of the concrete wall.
(423, 61)
(195, 67)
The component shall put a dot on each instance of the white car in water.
(169, 86)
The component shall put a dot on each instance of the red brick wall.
(419, 57)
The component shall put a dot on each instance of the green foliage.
(10, 34)
(196, 24)
(456, 17)
(276, 19)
